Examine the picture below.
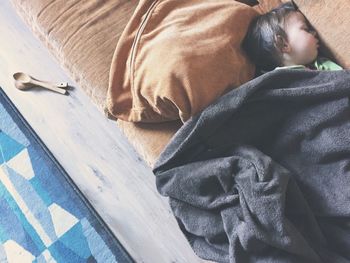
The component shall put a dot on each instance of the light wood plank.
(93, 151)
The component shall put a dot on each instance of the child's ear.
(282, 44)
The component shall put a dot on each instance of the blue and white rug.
(43, 217)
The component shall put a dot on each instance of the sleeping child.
(283, 38)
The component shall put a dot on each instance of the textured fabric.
(44, 218)
(175, 57)
(331, 20)
(262, 175)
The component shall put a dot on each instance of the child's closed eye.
(307, 29)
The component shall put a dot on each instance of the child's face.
(302, 41)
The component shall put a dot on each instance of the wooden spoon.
(24, 81)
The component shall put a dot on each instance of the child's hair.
(265, 37)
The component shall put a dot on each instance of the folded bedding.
(262, 174)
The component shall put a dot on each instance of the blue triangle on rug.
(9, 146)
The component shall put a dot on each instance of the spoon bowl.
(22, 77)
(24, 81)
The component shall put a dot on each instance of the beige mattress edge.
(138, 134)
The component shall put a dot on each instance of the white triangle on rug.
(46, 257)
(22, 165)
(15, 253)
(62, 219)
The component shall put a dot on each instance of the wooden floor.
(119, 185)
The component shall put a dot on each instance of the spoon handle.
(49, 86)
(62, 85)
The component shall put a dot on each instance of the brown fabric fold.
(176, 57)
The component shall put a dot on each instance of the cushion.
(331, 20)
(176, 57)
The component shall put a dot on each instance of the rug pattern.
(44, 218)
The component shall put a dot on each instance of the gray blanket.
(263, 174)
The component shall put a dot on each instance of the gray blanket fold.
(263, 174)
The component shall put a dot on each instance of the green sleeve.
(326, 64)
